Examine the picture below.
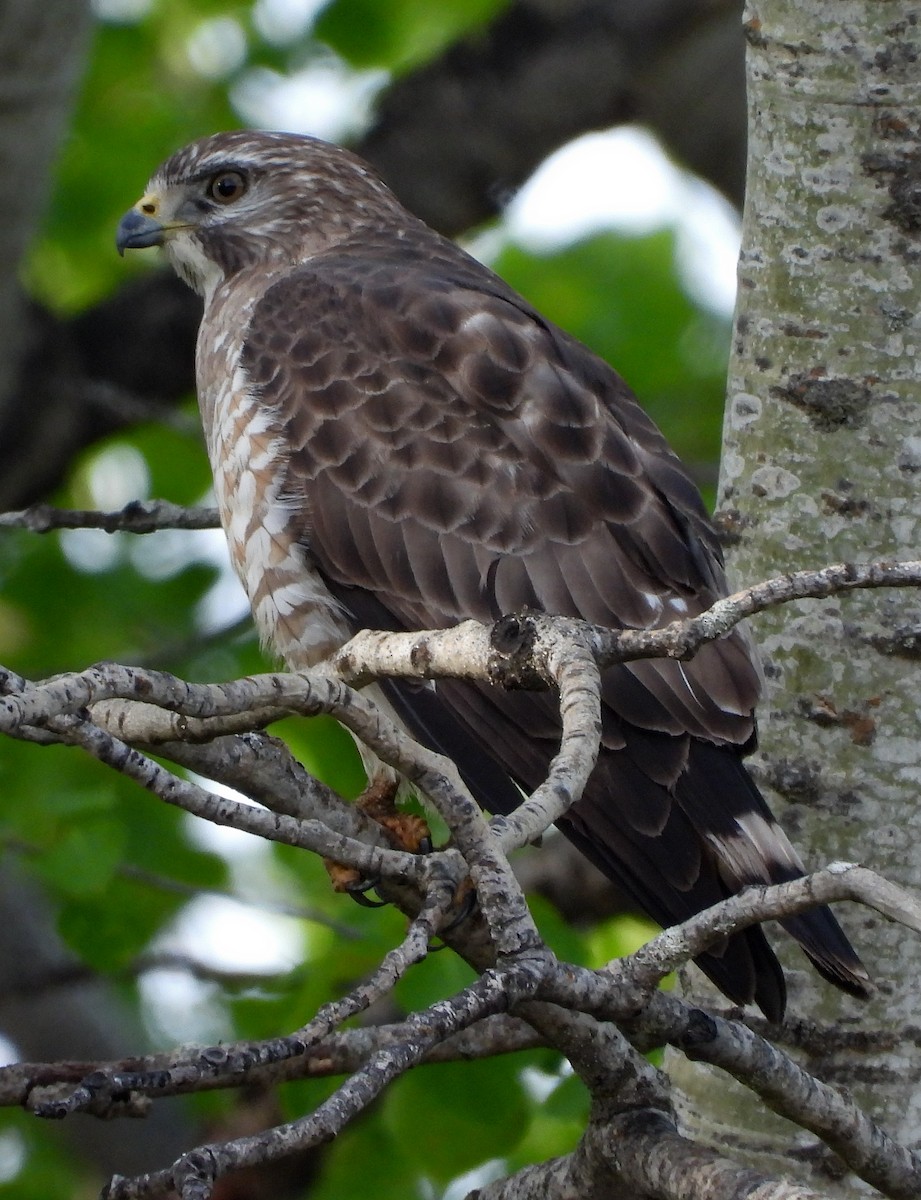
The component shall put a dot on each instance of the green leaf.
(369, 1152)
(83, 860)
(140, 101)
(556, 1125)
(327, 751)
(438, 975)
(569, 1100)
(108, 931)
(470, 1111)
(48, 1171)
(177, 462)
(567, 943)
(401, 33)
(616, 938)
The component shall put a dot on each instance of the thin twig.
(491, 993)
(679, 944)
(139, 516)
(681, 639)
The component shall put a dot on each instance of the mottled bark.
(821, 460)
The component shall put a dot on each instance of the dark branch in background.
(166, 883)
(67, 974)
(42, 49)
(138, 345)
(454, 139)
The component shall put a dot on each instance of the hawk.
(400, 441)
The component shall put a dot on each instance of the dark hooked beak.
(137, 231)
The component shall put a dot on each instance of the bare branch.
(140, 516)
(468, 651)
(787, 1089)
(196, 1172)
(782, 1083)
(191, 722)
(650, 1157)
(681, 639)
(511, 926)
(840, 881)
(785, 1086)
(635, 1153)
(340, 1053)
(147, 724)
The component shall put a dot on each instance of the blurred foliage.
(106, 853)
(401, 33)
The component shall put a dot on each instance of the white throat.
(191, 264)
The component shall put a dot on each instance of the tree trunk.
(822, 454)
(42, 51)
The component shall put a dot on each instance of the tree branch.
(140, 516)
(579, 1012)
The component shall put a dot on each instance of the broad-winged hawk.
(400, 441)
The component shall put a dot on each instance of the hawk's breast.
(266, 529)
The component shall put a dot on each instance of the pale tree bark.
(42, 53)
(821, 459)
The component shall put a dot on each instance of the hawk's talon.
(359, 893)
(406, 831)
(352, 883)
(466, 908)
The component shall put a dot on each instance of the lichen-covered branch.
(140, 516)
(597, 1019)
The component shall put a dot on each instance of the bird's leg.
(407, 831)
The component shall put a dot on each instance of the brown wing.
(457, 456)
(463, 458)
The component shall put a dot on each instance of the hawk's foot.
(407, 832)
(347, 879)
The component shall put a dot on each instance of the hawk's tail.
(749, 847)
(715, 837)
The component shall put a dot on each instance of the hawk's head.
(243, 199)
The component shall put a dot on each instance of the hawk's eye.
(227, 187)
